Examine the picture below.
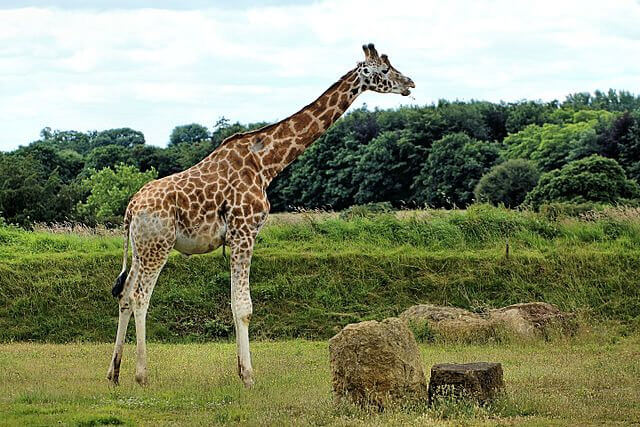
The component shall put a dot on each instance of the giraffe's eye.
(365, 71)
(385, 71)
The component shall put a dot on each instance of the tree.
(592, 179)
(107, 156)
(508, 183)
(525, 113)
(459, 116)
(190, 133)
(71, 162)
(386, 167)
(577, 101)
(110, 191)
(67, 140)
(146, 157)
(452, 170)
(495, 118)
(67, 162)
(621, 141)
(629, 146)
(21, 189)
(31, 192)
(124, 137)
(223, 129)
(612, 100)
(186, 155)
(553, 145)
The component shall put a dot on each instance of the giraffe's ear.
(385, 59)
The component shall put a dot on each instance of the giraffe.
(222, 200)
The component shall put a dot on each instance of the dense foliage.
(508, 183)
(592, 179)
(410, 156)
(454, 166)
(110, 191)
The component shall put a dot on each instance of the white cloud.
(152, 69)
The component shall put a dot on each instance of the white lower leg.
(245, 370)
(140, 314)
(241, 251)
(244, 355)
(123, 321)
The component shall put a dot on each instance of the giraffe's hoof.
(113, 378)
(248, 382)
(245, 376)
(142, 379)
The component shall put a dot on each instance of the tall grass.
(314, 273)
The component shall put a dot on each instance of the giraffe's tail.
(118, 286)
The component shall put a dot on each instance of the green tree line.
(448, 154)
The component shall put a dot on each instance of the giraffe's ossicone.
(223, 199)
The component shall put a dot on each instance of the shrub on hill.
(366, 210)
(508, 183)
(110, 192)
(592, 179)
(452, 170)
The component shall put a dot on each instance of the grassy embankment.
(314, 274)
(589, 380)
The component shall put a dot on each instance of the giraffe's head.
(377, 74)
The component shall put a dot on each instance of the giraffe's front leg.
(241, 252)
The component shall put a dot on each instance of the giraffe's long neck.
(282, 143)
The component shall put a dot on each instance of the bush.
(508, 183)
(452, 170)
(366, 210)
(110, 192)
(592, 179)
(556, 210)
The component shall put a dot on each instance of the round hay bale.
(534, 319)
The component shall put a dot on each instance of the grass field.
(592, 379)
(311, 275)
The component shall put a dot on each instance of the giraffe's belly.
(204, 241)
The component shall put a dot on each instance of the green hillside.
(314, 273)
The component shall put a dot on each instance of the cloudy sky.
(152, 65)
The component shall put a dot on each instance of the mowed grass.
(592, 379)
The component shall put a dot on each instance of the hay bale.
(450, 323)
(481, 381)
(377, 363)
(526, 320)
(533, 319)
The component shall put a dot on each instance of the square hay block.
(481, 381)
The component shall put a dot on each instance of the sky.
(153, 65)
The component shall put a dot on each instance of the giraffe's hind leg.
(150, 268)
(124, 303)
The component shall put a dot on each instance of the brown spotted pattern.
(222, 199)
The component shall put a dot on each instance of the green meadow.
(593, 380)
(313, 273)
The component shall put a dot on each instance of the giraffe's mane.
(241, 135)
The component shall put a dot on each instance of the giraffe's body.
(223, 199)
